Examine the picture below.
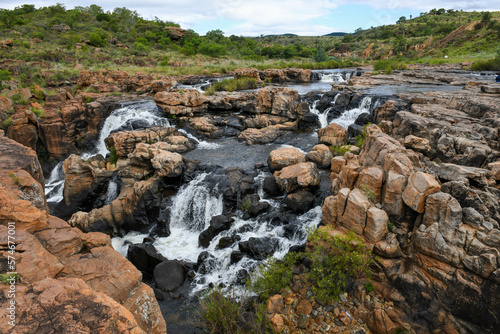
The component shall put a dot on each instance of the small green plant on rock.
(6, 122)
(14, 178)
(368, 193)
(369, 287)
(246, 206)
(7, 278)
(19, 99)
(113, 156)
(339, 150)
(40, 113)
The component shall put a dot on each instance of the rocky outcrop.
(333, 134)
(280, 101)
(166, 138)
(86, 285)
(23, 128)
(393, 199)
(181, 103)
(276, 75)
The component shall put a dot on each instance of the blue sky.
(256, 17)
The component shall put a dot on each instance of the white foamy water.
(192, 209)
(120, 244)
(54, 186)
(201, 144)
(112, 192)
(348, 117)
(322, 116)
(143, 111)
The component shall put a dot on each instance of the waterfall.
(145, 113)
(192, 209)
(201, 144)
(349, 116)
(54, 186)
(322, 117)
(112, 191)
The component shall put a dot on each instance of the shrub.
(369, 287)
(38, 112)
(7, 122)
(246, 206)
(19, 99)
(113, 156)
(222, 314)
(96, 40)
(339, 150)
(333, 259)
(360, 139)
(231, 85)
(271, 277)
(5, 75)
(388, 65)
(14, 178)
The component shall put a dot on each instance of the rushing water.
(197, 201)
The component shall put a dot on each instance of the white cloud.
(264, 16)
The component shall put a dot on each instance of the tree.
(401, 19)
(486, 17)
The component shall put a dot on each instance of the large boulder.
(320, 155)
(333, 134)
(182, 102)
(217, 225)
(301, 175)
(23, 128)
(169, 275)
(259, 248)
(280, 101)
(284, 157)
(144, 257)
(300, 201)
(167, 164)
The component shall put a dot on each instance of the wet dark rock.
(354, 130)
(205, 263)
(144, 257)
(457, 189)
(236, 256)
(259, 248)
(363, 119)
(217, 224)
(252, 205)
(290, 230)
(225, 242)
(300, 201)
(241, 276)
(271, 187)
(169, 275)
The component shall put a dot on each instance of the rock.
(5, 104)
(370, 181)
(181, 103)
(275, 304)
(284, 157)
(258, 248)
(277, 323)
(96, 239)
(491, 89)
(271, 187)
(333, 134)
(144, 257)
(169, 275)
(376, 225)
(23, 128)
(300, 201)
(280, 101)
(301, 175)
(321, 156)
(247, 73)
(217, 225)
(355, 213)
(444, 210)
(175, 33)
(75, 307)
(420, 185)
(494, 167)
(304, 308)
(236, 256)
(167, 164)
(259, 136)
(417, 144)
(392, 195)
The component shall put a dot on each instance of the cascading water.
(201, 144)
(349, 116)
(322, 117)
(54, 186)
(112, 191)
(145, 113)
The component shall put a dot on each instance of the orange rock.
(96, 239)
(275, 304)
(304, 307)
(277, 323)
(333, 134)
(5, 104)
(301, 175)
(284, 157)
(420, 185)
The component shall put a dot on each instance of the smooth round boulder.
(284, 157)
(144, 257)
(169, 275)
(300, 201)
(333, 134)
(320, 155)
(258, 248)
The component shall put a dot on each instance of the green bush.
(7, 122)
(388, 65)
(5, 75)
(333, 259)
(369, 287)
(271, 277)
(113, 156)
(222, 314)
(96, 40)
(19, 99)
(339, 150)
(38, 112)
(231, 85)
(360, 139)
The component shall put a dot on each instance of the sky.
(264, 17)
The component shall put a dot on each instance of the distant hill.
(336, 34)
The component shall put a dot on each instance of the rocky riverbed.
(196, 190)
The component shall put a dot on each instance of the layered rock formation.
(433, 254)
(70, 281)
